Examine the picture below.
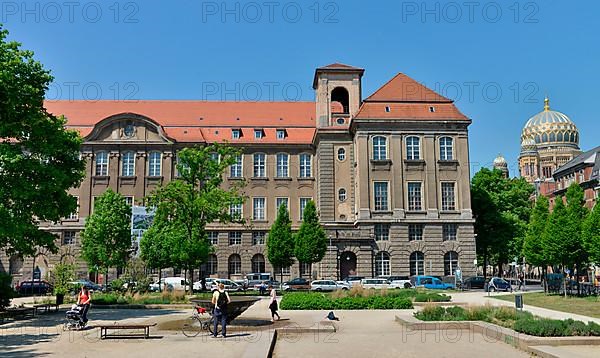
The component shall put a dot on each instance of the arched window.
(212, 264)
(545, 137)
(552, 137)
(340, 100)
(382, 264)
(537, 139)
(102, 163)
(128, 164)
(413, 148)
(305, 165)
(446, 148)
(450, 263)
(417, 263)
(342, 194)
(258, 263)
(235, 265)
(560, 137)
(341, 154)
(379, 148)
(154, 164)
(283, 165)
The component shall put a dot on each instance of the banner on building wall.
(141, 219)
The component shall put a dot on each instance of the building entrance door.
(347, 264)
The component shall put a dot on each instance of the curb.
(328, 327)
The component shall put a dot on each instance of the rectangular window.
(258, 134)
(283, 271)
(259, 209)
(128, 164)
(235, 238)
(379, 148)
(213, 237)
(129, 200)
(303, 203)
(235, 171)
(380, 191)
(283, 165)
(449, 232)
(69, 238)
(154, 164)
(448, 200)
(260, 165)
(258, 237)
(281, 134)
(75, 215)
(305, 269)
(446, 148)
(382, 232)
(414, 196)
(415, 232)
(236, 133)
(413, 148)
(235, 211)
(281, 201)
(305, 165)
(102, 164)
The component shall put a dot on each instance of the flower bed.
(520, 321)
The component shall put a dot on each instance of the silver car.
(229, 285)
(327, 285)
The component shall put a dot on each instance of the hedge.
(312, 301)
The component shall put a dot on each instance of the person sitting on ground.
(84, 299)
(273, 303)
(220, 300)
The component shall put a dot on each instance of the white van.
(175, 283)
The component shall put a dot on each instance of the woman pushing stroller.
(83, 300)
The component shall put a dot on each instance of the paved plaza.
(373, 333)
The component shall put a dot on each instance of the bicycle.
(199, 322)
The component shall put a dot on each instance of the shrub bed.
(523, 322)
(319, 301)
(114, 298)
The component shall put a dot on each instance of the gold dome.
(550, 128)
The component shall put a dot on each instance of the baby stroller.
(74, 319)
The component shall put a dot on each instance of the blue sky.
(497, 59)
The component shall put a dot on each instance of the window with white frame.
(283, 168)
(75, 215)
(236, 133)
(414, 196)
(380, 193)
(259, 134)
(281, 134)
(236, 169)
(215, 157)
(213, 237)
(128, 164)
(235, 211)
(129, 200)
(282, 270)
(382, 264)
(446, 148)
(417, 263)
(303, 203)
(305, 269)
(379, 148)
(415, 232)
(382, 232)
(102, 164)
(305, 165)
(448, 199)
(154, 164)
(450, 263)
(260, 163)
(449, 232)
(342, 194)
(258, 209)
(258, 237)
(69, 238)
(282, 201)
(235, 238)
(413, 148)
(341, 154)
(235, 264)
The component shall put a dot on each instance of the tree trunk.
(564, 280)
(160, 288)
(485, 266)
(192, 281)
(106, 278)
(544, 271)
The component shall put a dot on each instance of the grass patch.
(587, 306)
(520, 321)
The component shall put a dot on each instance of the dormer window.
(259, 134)
(236, 133)
(388, 109)
(432, 109)
(281, 134)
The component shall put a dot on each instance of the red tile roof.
(339, 66)
(402, 88)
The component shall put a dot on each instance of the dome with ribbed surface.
(500, 161)
(550, 128)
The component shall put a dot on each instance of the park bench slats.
(104, 330)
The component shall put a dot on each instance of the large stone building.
(389, 174)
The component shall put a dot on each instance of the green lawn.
(587, 306)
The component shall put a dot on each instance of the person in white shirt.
(273, 303)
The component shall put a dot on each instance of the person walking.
(84, 299)
(273, 303)
(521, 280)
(220, 300)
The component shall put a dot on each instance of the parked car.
(343, 285)
(207, 283)
(253, 280)
(36, 287)
(430, 282)
(327, 285)
(170, 283)
(271, 282)
(88, 284)
(298, 283)
(474, 282)
(353, 280)
(229, 285)
(399, 282)
(499, 284)
(374, 283)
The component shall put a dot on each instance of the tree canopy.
(280, 242)
(310, 240)
(39, 158)
(534, 246)
(591, 235)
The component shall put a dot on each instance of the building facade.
(389, 174)
(583, 170)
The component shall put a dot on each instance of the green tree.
(533, 246)
(60, 278)
(557, 245)
(155, 248)
(577, 213)
(39, 158)
(106, 239)
(310, 240)
(280, 243)
(591, 235)
(185, 205)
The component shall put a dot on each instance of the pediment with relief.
(128, 127)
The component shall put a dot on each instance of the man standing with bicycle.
(220, 300)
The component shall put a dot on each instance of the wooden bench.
(45, 307)
(104, 330)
